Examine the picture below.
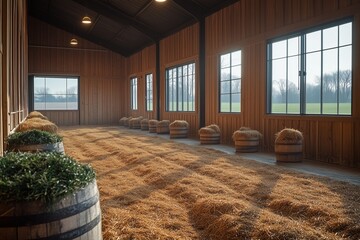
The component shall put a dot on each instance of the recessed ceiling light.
(86, 20)
(73, 41)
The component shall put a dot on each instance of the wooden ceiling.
(124, 26)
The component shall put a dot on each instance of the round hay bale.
(152, 125)
(134, 123)
(179, 129)
(246, 140)
(210, 134)
(144, 124)
(288, 145)
(74, 216)
(122, 121)
(162, 127)
(37, 123)
(36, 114)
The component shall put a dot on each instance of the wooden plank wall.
(13, 46)
(138, 65)
(101, 74)
(247, 25)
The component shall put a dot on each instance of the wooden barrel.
(288, 152)
(135, 125)
(53, 147)
(179, 132)
(247, 144)
(152, 129)
(162, 129)
(210, 138)
(145, 126)
(75, 216)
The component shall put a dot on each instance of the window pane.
(313, 81)
(225, 87)
(39, 102)
(313, 41)
(330, 81)
(330, 37)
(225, 103)
(56, 85)
(236, 86)
(279, 49)
(236, 72)
(293, 86)
(225, 60)
(225, 74)
(236, 58)
(345, 80)
(72, 86)
(293, 46)
(345, 34)
(39, 85)
(235, 102)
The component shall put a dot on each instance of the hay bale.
(246, 139)
(126, 122)
(152, 125)
(179, 129)
(36, 114)
(162, 127)
(134, 123)
(210, 134)
(288, 145)
(37, 123)
(122, 121)
(144, 124)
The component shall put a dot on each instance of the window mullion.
(302, 75)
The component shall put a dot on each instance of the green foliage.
(32, 137)
(41, 176)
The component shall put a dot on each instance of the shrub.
(32, 137)
(41, 176)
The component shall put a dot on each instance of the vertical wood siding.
(13, 70)
(101, 73)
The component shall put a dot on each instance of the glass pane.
(345, 34)
(225, 60)
(236, 72)
(39, 102)
(330, 37)
(225, 87)
(313, 81)
(279, 49)
(225, 103)
(236, 58)
(293, 85)
(55, 102)
(293, 46)
(313, 41)
(235, 86)
(345, 80)
(225, 74)
(279, 85)
(72, 102)
(72, 86)
(330, 81)
(56, 85)
(39, 85)
(235, 102)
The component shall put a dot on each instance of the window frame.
(134, 93)
(180, 107)
(302, 34)
(32, 102)
(231, 93)
(149, 100)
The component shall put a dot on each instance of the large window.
(230, 82)
(133, 93)
(180, 88)
(311, 72)
(56, 93)
(149, 92)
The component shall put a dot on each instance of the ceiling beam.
(194, 9)
(116, 15)
(70, 28)
(221, 5)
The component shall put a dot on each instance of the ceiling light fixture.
(73, 41)
(160, 0)
(86, 20)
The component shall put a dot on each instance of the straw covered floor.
(156, 188)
